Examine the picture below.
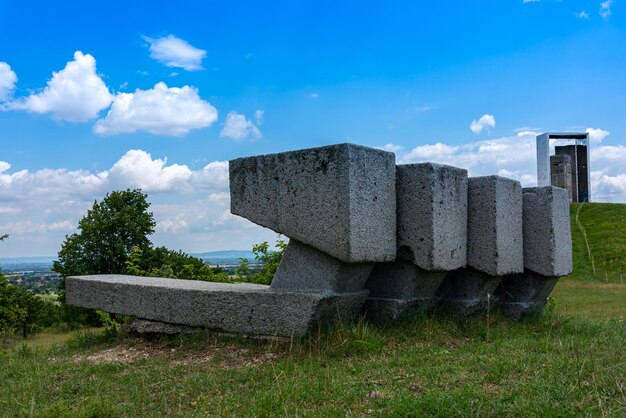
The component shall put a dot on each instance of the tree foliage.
(21, 311)
(163, 262)
(268, 263)
(108, 234)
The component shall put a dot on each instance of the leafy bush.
(268, 263)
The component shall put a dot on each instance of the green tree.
(268, 263)
(107, 235)
(163, 262)
(20, 310)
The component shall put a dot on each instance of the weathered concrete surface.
(383, 310)
(494, 230)
(523, 294)
(145, 327)
(398, 288)
(467, 291)
(547, 233)
(340, 199)
(432, 215)
(246, 309)
(305, 269)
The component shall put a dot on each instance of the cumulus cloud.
(7, 81)
(582, 14)
(186, 203)
(239, 128)
(486, 121)
(596, 136)
(74, 94)
(137, 169)
(161, 110)
(437, 150)
(605, 9)
(515, 157)
(171, 225)
(175, 52)
(391, 148)
(258, 116)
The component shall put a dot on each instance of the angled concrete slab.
(432, 215)
(468, 291)
(494, 229)
(305, 269)
(525, 293)
(399, 288)
(547, 231)
(340, 199)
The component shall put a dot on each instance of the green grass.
(571, 361)
(584, 299)
(599, 241)
(553, 365)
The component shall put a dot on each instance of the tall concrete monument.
(568, 168)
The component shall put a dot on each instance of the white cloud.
(530, 1)
(175, 52)
(435, 151)
(315, 95)
(137, 169)
(74, 94)
(486, 121)
(258, 116)
(239, 128)
(596, 136)
(214, 175)
(605, 9)
(171, 225)
(515, 157)
(582, 14)
(195, 200)
(7, 81)
(161, 110)
(391, 148)
(4, 166)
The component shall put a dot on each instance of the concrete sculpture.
(366, 237)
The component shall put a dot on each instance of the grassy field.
(570, 361)
(599, 241)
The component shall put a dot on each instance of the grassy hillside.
(570, 361)
(550, 366)
(599, 241)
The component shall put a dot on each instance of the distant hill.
(599, 241)
(230, 256)
(28, 260)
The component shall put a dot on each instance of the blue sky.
(159, 95)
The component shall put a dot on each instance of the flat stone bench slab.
(245, 309)
(340, 199)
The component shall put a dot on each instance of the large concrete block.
(305, 269)
(525, 293)
(432, 215)
(399, 288)
(340, 199)
(494, 228)
(245, 309)
(547, 233)
(468, 291)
